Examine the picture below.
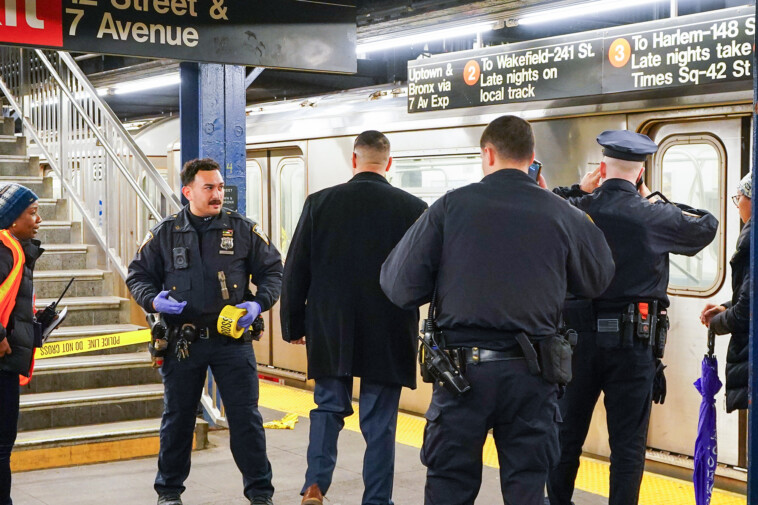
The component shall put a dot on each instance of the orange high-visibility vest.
(10, 286)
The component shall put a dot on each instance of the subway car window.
(292, 184)
(254, 192)
(430, 178)
(691, 171)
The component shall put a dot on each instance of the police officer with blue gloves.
(189, 268)
(622, 332)
(502, 253)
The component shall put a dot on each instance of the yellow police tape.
(288, 422)
(227, 321)
(95, 343)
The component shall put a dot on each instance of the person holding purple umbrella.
(734, 316)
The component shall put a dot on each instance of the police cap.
(626, 145)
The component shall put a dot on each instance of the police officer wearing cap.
(188, 268)
(502, 253)
(621, 332)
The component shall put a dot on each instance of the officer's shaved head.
(192, 167)
(511, 137)
(371, 151)
(623, 165)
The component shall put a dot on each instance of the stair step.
(51, 283)
(69, 373)
(90, 406)
(42, 186)
(62, 256)
(66, 332)
(87, 310)
(12, 145)
(58, 232)
(94, 443)
(52, 209)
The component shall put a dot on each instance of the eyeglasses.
(736, 200)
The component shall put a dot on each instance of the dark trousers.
(378, 405)
(235, 371)
(522, 411)
(9, 395)
(625, 376)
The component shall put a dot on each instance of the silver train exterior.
(301, 146)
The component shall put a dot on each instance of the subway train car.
(297, 147)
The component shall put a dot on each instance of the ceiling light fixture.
(581, 9)
(422, 38)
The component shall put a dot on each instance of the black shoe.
(169, 499)
(261, 500)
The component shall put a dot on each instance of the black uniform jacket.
(232, 244)
(641, 235)
(736, 320)
(503, 252)
(331, 291)
(20, 330)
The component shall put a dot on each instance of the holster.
(661, 333)
(553, 361)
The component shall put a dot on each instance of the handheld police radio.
(436, 365)
(49, 318)
(158, 340)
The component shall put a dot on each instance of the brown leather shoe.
(313, 496)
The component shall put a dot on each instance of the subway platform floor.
(215, 480)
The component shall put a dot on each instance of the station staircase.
(95, 406)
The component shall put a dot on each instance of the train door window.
(692, 173)
(431, 177)
(254, 191)
(292, 184)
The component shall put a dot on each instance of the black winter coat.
(736, 320)
(331, 292)
(20, 330)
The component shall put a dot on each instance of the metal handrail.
(54, 165)
(149, 168)
(111, 182)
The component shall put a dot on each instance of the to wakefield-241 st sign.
(297, 34)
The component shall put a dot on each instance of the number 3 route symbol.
(619, 53)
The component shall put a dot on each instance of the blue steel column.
(212, 117)
(235, 163)
(752, 478)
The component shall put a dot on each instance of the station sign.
(705, 48)
(295, 34)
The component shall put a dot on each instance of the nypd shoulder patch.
(259, 231)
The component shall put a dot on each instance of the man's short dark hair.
(511, 137)
(373, 139)
(192, 167)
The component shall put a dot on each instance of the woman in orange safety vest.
(19, 222)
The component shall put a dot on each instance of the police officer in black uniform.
(189, 267)
(502, 253)
(621, 330)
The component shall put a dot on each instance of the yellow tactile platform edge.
(592, 478)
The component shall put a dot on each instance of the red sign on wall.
(31, 22)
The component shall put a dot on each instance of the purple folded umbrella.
(706, 448)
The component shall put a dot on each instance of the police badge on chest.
(227, 242)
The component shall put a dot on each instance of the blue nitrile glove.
(165, 305)
(253, 310)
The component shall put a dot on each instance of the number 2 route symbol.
(471, 72)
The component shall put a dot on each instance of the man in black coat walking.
(332, 302)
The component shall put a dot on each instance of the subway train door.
(276, 191)
(698, 163)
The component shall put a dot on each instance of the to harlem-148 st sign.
(295, 34)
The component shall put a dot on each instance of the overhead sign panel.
(296, 34)
(688, 51)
